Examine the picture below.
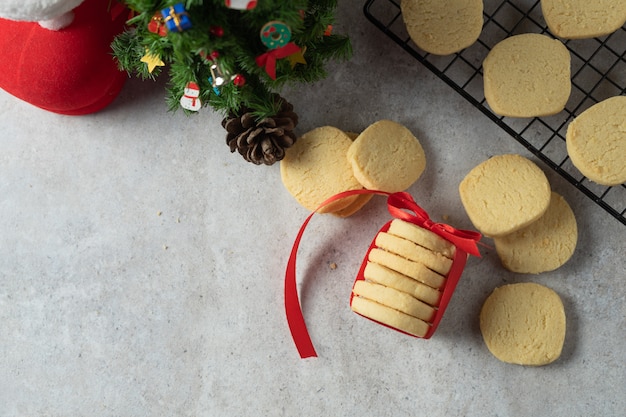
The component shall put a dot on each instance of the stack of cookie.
(404, 274)
(326, 161)
(509, 199)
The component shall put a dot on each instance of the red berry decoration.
(239, 80)
(217, 31)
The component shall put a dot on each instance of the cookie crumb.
(333, 265)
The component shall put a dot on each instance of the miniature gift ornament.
(157, 25)
(407, 277)
(240, 4)
(176, 18)
(191, 97)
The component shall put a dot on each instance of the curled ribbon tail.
(293, 311)
(295, 318)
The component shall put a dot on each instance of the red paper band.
(268, 59)
(458, 264)
(465, 242)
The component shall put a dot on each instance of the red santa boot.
(69, 70)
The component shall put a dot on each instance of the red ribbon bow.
(268, 59)
(397, 204)
(463, 239)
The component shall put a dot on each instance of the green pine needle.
(238, 50)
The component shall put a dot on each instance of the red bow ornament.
(268, 59)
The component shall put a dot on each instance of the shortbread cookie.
(356, 205)
(413, 252)
(315, 168)
(386, 156)
(504, 193)
(395, 299)
(596, 141)
(352, 135)
(581, 19)
(406, 267)
(422, 237)
(443, 27)
(527, 75)
(543, 245)
(360, 201)
(523, 324)
(389, 316)
(381, 275)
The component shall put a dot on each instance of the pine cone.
(261, 141)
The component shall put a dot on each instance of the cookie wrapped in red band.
(402, 206)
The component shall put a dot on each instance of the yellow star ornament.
(152, 60)
(297, 58)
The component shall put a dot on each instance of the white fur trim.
(59, 22)
(36, 10)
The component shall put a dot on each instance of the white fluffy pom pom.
(53, 14)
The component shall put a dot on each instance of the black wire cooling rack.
(598, 72)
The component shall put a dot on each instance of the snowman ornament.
(240, 4)
(191, 97)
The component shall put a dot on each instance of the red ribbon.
(464, 240)
(268, 59)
